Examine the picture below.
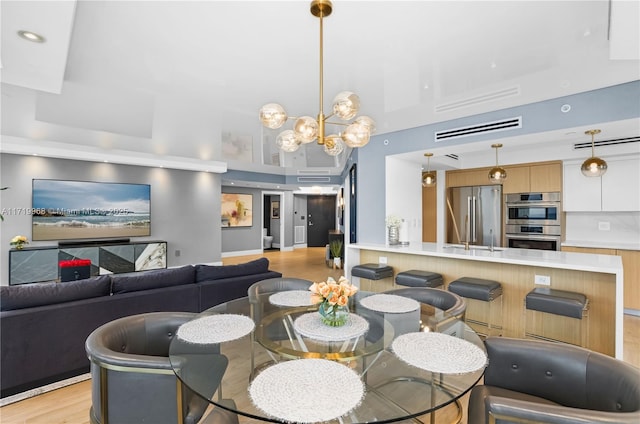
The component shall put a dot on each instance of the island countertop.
(599, 277)
(609, 264)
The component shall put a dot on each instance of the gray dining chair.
(535, 381)
(133, 380)
(260, 308)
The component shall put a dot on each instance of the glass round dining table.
(266, 359)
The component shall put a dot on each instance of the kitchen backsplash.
(606, 227)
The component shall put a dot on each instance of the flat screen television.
(76, 210)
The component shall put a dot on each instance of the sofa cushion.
(38, 294)
(211, 272)
(145, 280)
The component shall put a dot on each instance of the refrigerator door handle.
(474, 229)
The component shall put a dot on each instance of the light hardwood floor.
(71, 404)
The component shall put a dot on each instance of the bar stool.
(418, 278)
(479, 317)
(372, 272)
(557, 315)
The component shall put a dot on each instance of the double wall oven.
(533, 221)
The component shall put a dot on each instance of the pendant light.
(497, 174)
(429, 177)
(593, 167)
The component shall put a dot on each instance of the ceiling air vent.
(452, 156)
(314, 179)
(485, 128)
(612, 142)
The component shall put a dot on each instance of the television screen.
(70, 210)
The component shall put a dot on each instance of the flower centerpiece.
(333, 298)
(19, 242)
(393, 227)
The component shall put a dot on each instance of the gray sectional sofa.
(43, 326)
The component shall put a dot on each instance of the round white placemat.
(215, 329)
(307, 390)
(439, 352)
(311, 325)
(291, 298)
(390, 303)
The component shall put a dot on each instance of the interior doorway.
(272, 220)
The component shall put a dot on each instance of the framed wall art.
(275, 210)
(236, 210)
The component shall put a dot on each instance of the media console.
(37, 264)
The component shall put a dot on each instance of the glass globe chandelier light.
(429, 177)
(593, 167)
(497, 174)
(307, 129)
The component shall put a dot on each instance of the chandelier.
(594, 166)
(306, 129)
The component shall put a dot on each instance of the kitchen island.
(599, 277)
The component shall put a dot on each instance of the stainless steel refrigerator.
(477, 211)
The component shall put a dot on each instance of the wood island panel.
(517, 281)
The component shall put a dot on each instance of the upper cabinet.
(618, 190)
(538, 177)
(468, 177)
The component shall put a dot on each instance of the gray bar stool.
(479, 293)
(372, 272)
(557, 315)
(418, 278)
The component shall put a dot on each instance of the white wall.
(404, 194)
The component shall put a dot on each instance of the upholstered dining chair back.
(540, 381)
(274, 285)
(261, 307)
(444, 300)
(132, 378)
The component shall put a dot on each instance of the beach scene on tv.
(66, 210)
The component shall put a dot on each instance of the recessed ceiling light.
(31, 36)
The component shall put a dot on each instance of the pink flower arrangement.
(332, 293)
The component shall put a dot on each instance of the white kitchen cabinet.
(618, 190)
(621, 186)
(580, 193)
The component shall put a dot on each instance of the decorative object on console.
(73, 210)
(393, 228)
(333, 300)
(74, 269)
(236, 210)
(497, 173)
(429, 177)
(19, 242)
(594, 166)
(307, 129)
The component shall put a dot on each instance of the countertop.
(602, 244)
(609, 264)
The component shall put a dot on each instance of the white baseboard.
(44, 389)
(300, 246)
(241, 253)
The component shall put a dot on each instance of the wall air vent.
(482, 98)
(611, 142)
(485, 128)
(314, 179)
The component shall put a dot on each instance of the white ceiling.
(167, 79)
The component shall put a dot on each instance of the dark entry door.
(321, 217)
